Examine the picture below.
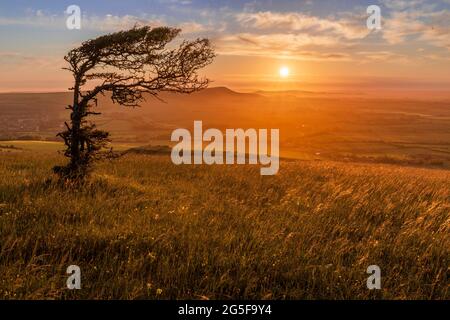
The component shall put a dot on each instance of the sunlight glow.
(284, 72)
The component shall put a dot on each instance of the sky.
(324, 44)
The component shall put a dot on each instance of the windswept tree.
(127, 65)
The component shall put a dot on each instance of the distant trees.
(128, 65)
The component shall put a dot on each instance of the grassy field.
(144, 228)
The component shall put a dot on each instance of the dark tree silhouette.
(128, 65)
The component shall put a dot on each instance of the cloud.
(176, 2)
(7, 57)
(401, 4)
(419, 21)
(348, 27)
(381, 56)
(11, 55)
(17, 60)
(35, 18)
(193, 27)
(289, 46)
(293, 35)
(105, 23)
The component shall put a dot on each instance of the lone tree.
(127, 65)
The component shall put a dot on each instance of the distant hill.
(211, 93)
(222, 91)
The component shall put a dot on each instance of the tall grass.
(144, 228)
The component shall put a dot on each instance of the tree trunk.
(76, 125)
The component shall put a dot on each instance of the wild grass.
(146, 229)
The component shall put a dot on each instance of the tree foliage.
(128, 65)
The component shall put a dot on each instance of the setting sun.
(284, 72)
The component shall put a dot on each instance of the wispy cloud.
(350, 27)
(286, 46)
(12, 62)
(417, 21)
(293, 35)
(381, 56)
(104, 23)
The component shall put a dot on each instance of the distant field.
(40, 146)
(144, 228)
(48, 146)
(312, 126)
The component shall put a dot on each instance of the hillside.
(144, 228)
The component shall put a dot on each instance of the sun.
(284, 72)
